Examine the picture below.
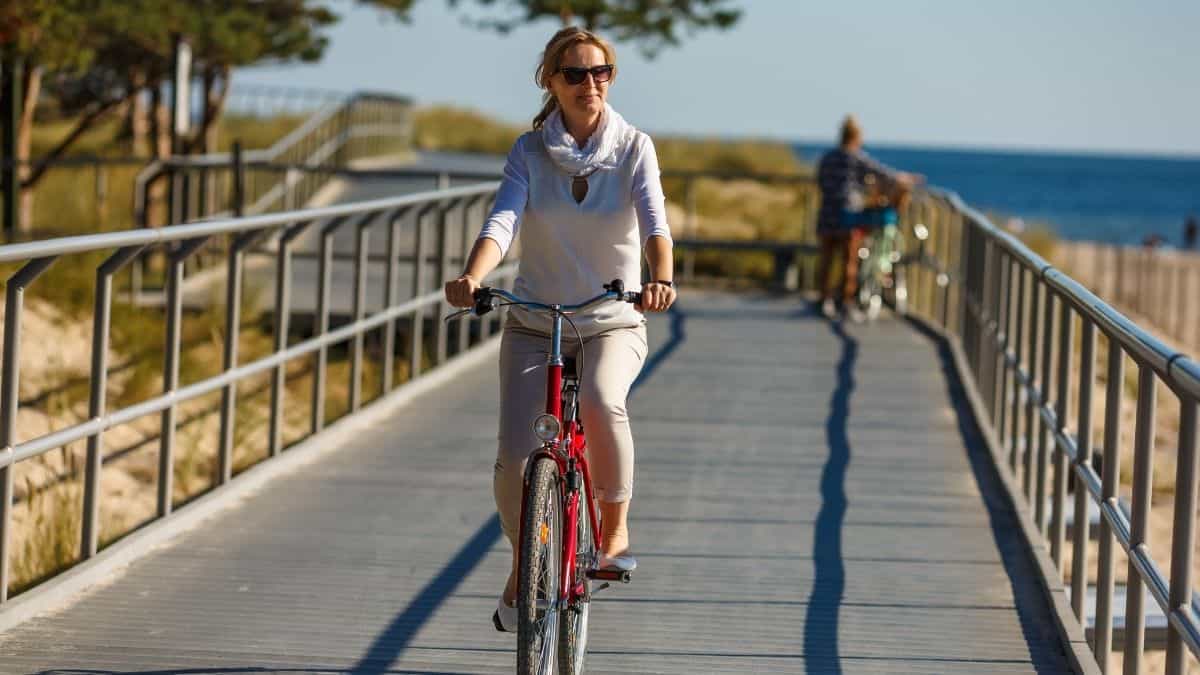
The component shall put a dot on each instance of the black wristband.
(665, 282)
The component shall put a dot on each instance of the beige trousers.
(612, 360)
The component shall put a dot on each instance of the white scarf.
(603, 150)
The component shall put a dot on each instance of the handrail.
(1013, 315)
(1168, 362)
(436, 219)
(146, 237)
(324, 135)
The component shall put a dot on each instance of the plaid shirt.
(841, 175)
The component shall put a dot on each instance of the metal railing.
(267, 100)
(208, 186)
(1158, 286)
(438, 222)
(1015, 318)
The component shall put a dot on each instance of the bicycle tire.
(538, 572)
(572, 638)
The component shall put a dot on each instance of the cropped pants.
(612, 360)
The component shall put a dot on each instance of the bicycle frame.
(569, 449)
(569, 453)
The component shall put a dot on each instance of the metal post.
(1143, 475)
(174, 290)
(233, 312)
(981, 326)
(464, 324)
(1004, 325)
(1032, 392)
(359, 309)
(324, 274)
(1111, 470)
(485, 323)
(390, 294)
(283, 317)
(9, 400)
(417, 348)
(1018, 388)
(1083, 463)
(1183, 534)
(942, 250)
(1043, 403)
(101, 321)
(440, 329)
(239, 181)
(1062, 404)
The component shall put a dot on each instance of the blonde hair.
(850, 131)
(552, 56)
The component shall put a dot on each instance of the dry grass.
(47, 514)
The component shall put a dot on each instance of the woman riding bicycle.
(582, 190)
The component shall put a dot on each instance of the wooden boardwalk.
(809, 498)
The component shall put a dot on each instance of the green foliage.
(96, 55)
(728, 156)
(462, 130)
(651, 25)
(46, 31)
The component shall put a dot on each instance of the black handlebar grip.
(635, 297)
(483, 300)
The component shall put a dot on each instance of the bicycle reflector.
(546, 427)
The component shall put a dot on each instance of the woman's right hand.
(461, 291)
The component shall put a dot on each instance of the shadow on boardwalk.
(824, 604)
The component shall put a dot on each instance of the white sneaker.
(505, 618)
(624, 562)
(829, 309)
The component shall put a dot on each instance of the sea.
(1119, 199)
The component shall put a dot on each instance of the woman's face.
(586, 99)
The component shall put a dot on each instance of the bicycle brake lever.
(457, 314)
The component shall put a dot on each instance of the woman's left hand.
(657, 297)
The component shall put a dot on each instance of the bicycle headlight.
(546, 427)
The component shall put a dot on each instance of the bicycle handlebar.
(485, 296)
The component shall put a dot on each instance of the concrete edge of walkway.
(64, 590)
(1070, 630)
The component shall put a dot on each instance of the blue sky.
(1067, 74)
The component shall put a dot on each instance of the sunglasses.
(575, 75)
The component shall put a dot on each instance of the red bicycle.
(558, 544)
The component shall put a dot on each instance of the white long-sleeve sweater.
(570, 250)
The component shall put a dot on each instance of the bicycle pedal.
(622, 576)
(601, 587)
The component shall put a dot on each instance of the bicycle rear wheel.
(574, 624)
(538, 584)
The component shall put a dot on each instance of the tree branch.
(81, 126)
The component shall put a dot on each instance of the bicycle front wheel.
(538, 582)
(575, 617)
